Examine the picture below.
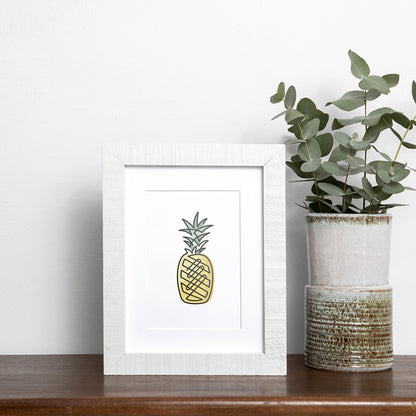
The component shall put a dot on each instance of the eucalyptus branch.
(307, 151)
(306, 121)
(345, 182)
(369, 207)
(365, 136)
(402, 140)
(301, 131)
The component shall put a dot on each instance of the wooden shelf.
(74, 385)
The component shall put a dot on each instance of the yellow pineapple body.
(195, 278)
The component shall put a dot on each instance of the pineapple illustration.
(195, 273)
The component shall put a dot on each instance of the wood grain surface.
(75, 385)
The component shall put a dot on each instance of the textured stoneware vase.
(348, 304)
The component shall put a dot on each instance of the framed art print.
(194, 259)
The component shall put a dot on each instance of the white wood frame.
(271, 158)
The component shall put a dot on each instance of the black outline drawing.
(195, 273)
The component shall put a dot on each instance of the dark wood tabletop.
(75, 385)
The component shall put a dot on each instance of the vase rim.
(349, 219)
(332, 214)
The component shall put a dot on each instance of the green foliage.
(330, 165)
(195, 234)
(374, 82)
(359, 67)
(350, 100)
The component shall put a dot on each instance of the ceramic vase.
(348, 301)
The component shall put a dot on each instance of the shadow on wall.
(85, 277)
(297, 269)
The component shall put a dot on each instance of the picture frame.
(253, 342)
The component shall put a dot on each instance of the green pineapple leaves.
(330, 159)
(197, 232)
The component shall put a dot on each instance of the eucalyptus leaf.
(359, 67)
(342, 138)
(374, 82)
(350, 101)
(276, 98)
(348, 152)
(314, 148)
(334, 168)
(361, 169)
(303, 152)
(391, 79)
(296, 121)
(396, 165)
(293, 116)
(325, 142)
(372, 95)
(323, 201)
(380, 195)
(401, 119)
(330, 189)
(280, 114)
(396, 133)
(340, 123)
(375, 116)
(360, 145)
(314, 189)
(322, 117)
(302, 206)
(295, 158)
(372, 133)
(311, 165)
(368, 187)
(311, 128)
(395, 205)
(321, 174)
(295, 129)
(393, 188)
(387, 157)
(306, 106)
(338, 155)
(355, 161)
(290, 97)
(381, 164)
(400, 175)
(409, 145)
(340, 184)
(414, 91)
(295, 166)
(362, 193)
(293, 141)
(384, 175)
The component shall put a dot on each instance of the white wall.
(75, 74)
